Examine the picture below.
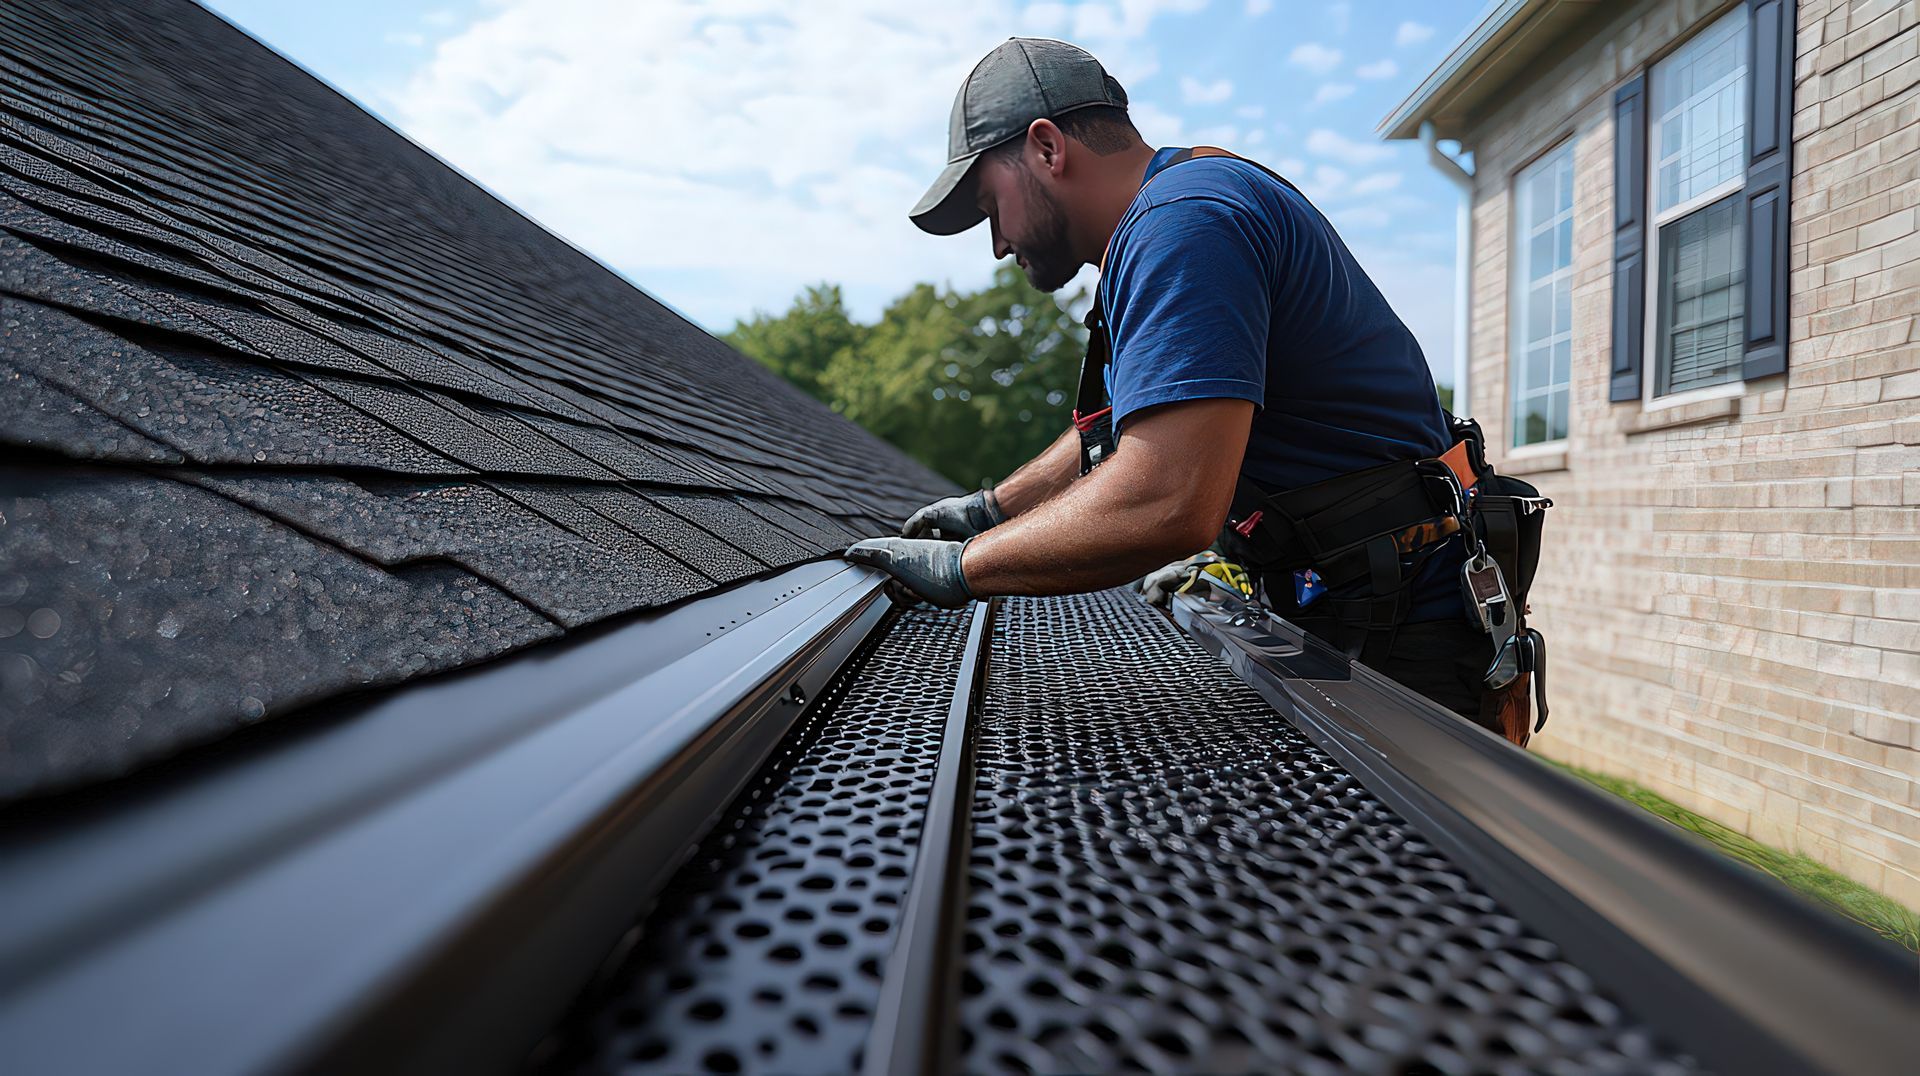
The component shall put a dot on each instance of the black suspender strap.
(1092, 412)
(1501, 533)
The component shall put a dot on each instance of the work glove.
(928, 568)
(1157, 586)
(1160, 585)
(956, 517)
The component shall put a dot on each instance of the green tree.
(971, 383)
(800, 343)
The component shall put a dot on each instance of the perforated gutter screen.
(1165, 874)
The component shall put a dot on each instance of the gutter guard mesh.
(765, 952)
(1166, 875)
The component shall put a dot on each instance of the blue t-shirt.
(1222, 282)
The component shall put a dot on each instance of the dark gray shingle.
(304, 411)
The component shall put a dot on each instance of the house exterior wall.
(1731, 589)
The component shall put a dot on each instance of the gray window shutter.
(1629, 237)
(1770, 39)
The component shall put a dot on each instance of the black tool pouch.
(1508, 517)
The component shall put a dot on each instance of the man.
(1244, 339)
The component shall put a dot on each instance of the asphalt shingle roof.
(294, 409)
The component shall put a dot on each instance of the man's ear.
(1048, 144)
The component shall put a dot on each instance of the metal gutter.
(1500, 15)
(1739, 970)
(420, 884)
(1514, 39)
(913, 1026)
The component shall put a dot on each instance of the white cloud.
(1364, 216)
(1257, 8)
(1378, 69)
(1329, 184)
(1325, 183)
(1195, 92)
(1330, 92)
(1314, 57)
(405, 39)
(723, 156)
(1377, 183)
(1049, 18)
(1224, 135)
(1340, 14)
(1158, 126)
(1412, 33)
(1250, 112)
(441, 17)
(1124, 19)
(1322, 142)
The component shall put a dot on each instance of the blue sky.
(723, 154)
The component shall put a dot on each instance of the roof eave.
(1488, 56)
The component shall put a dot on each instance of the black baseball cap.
(1026, 79)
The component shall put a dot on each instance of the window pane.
(1542, 294)
(1530, 421)
(1700, 107)
(1540, 260)
(1539, 313)
(1702, 298)
(1540, 193)
(1539, 365)
(1557, 416)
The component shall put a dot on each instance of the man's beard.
(1050, 263)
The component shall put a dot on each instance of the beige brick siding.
(1732, 589)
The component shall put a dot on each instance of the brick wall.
(1732, 589)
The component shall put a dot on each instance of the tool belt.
(1380, 526)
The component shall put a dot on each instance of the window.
(1543, 299)
(1698, 141)
(1702, 178)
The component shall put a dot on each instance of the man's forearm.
(1037, 480)
(1090, 537)
(1041, 478)
(1162, 496)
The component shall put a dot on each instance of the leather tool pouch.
(1509, 710)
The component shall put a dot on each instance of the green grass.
(1820, 884)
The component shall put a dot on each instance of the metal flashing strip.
(422, 887)
(913, 1027)
(1739, 970)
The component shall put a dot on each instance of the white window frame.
(1657, 219)
(1518, 286)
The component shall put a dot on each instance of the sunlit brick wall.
(1732, 589)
